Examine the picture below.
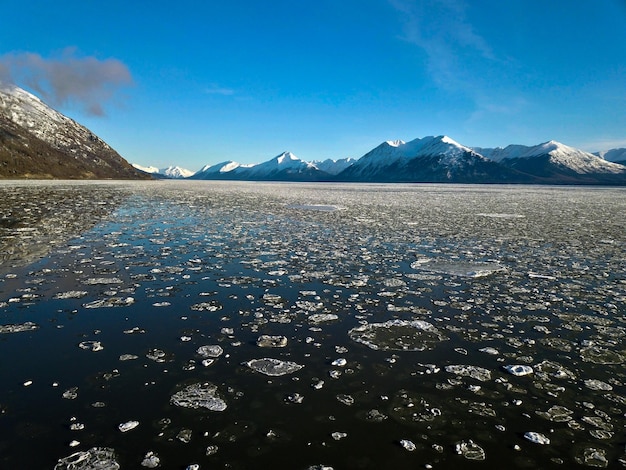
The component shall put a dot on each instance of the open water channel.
(307, 326)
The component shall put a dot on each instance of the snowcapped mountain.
(174, 172)
(229, 170)
(558, 163)
(433, 159)
(613, 155)
(430, 159)
(283, 167)
(334, 167)
(38, 142)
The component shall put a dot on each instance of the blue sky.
(193, 83)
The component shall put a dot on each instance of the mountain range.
(38, 142)
(437, 159)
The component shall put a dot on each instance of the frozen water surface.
(401, 325)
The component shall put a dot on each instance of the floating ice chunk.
(518, 370)
(318, 385)
(347, 400)
(91, 345)
(267, 341)
(593, 457)
(470, 450)
(557, 413)
(102, 281)
(92, 459)
(134, 330)
(594, 384)
(210, 351)
(184, 435)
(211, 450)
(72, 294)
(375, 416)
(475, 372)
(199, 395)
(71, 393)
(295, 398)
(156, 355)
(548, 277)
(598, 355)
(460, 268)
(213, 306)
(490, 350)
(128, 357)
(408, 445)
(398, 335)
(19, 328)
(322, 318)
(339, 435)
(341, 362)
(128, 426)
(151, 460)
(273, 367)
(334, 374)
(536, 437)
(598, 422)
(110, 302)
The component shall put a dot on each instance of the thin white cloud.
(214, 89)
(67, 79)
(441, 29)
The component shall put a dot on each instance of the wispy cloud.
(441, 29)
(67, 79)
(214, 89)
(460, 61)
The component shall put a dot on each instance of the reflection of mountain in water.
(35, 219)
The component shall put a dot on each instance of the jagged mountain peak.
(287, 157)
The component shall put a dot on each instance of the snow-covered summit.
(393, 152)
(286, 161)
(574, 159)
(334, 167)
(169, 172)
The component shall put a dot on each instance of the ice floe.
(128, 426)
(536, 438)
(92, 459)
(199, 395)
(19, 328)
(398, 335)
(269, 341)
(273, 367)
(475, 372)
(519, 370)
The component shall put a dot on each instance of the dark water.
(401, 307)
